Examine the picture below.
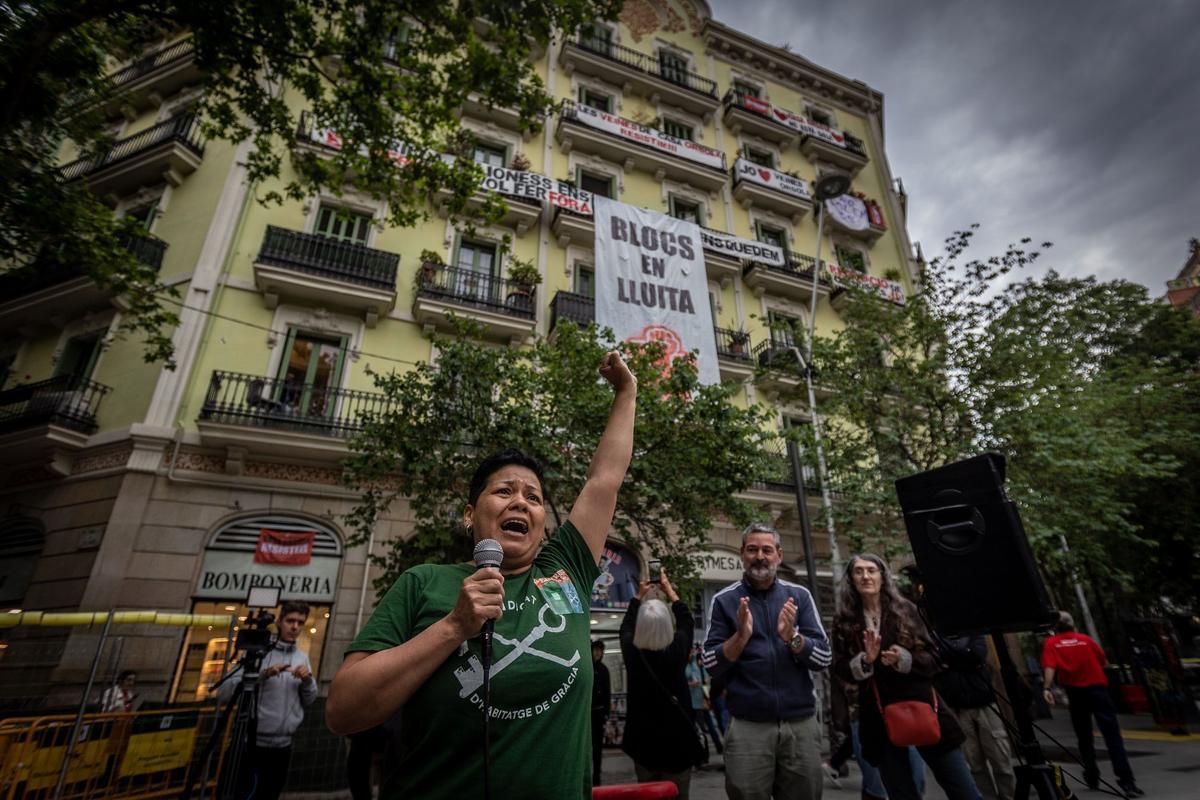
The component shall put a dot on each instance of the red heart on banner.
(765, 174)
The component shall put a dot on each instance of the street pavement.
(1167, 767)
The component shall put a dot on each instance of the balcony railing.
(184, 129)
(578, 308)
(149, 63)
(329, 258)
(778, 353)
(797, 264)
(650, 65)
(253, 400)
(755, 105)
(733, 344)
(776, 472)
(64, 400)
(854, 144)
(50, 271)
(469, 288)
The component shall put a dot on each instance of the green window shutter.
(345, 226)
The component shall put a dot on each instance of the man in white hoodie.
(285, 686)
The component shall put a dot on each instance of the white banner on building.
(744, 249)
(807, 127)
(771, 178)
(849, 212)
(889, 290)
(651, 284)
(532, 186)
(651, 137)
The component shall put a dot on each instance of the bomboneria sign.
(230, 574)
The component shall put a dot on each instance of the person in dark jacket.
(659, 735)
(881, 645)
(764, 636)
(966, 683)
(601, 705)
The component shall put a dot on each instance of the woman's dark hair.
(497, 461)
(126, 673)
(848, 625)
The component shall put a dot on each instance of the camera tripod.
(235, 781)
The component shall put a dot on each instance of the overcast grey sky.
(1074, 121)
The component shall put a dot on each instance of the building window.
(686, 210)
(850, 257)
(764, 158)
(596, 183)
(477, 257)
(596, 37)
(746, 89)
(593, 99)
(786, 330)
(820, 116)
(145, 215)
(79, 356)
(343, 225)
(585, 280)
(673, 67)
(678, 130)
(490, 155)
(311, 374)
(774, 236)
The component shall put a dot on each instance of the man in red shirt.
(1078, 663)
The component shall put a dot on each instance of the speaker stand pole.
(1034, 773)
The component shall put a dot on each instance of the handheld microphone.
(488, 553)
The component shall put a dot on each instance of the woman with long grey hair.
(881, 645)
(655, 642)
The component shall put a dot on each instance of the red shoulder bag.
(910, 722)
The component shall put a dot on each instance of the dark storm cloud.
(1075, 122)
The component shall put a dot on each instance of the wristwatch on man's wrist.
(797, 642)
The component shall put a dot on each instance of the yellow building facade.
(129, 486)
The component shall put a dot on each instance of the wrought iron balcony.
(329, 258)
(50, 271)
(256, 401)
(578, 308)
(647, 64)
(779, 354)
(160, 59)
(464, 287)
(635, 146)
(733, 344)
(776, 474)
(184, 129)
(64, 400)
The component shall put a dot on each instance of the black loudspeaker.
(976, 566)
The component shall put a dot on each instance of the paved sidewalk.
(1167, 767)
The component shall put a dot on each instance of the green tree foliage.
(1084, 386)
(382, 73)
(693, 448)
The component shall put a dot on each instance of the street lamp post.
(827, 188)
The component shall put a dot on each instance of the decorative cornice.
(790, 69)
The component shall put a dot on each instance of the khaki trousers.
(780, 760)
(987, 744)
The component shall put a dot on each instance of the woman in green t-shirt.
(420, 650)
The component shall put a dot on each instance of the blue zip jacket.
(768, 682)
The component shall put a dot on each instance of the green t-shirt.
(541, 682)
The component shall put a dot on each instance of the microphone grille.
(488, 553)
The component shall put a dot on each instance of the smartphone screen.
(656, 571)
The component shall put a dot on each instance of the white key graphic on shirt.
(470, 677)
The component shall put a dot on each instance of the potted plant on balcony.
(521, 162)
(739, 343)
(523, 276)
(431, 262)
